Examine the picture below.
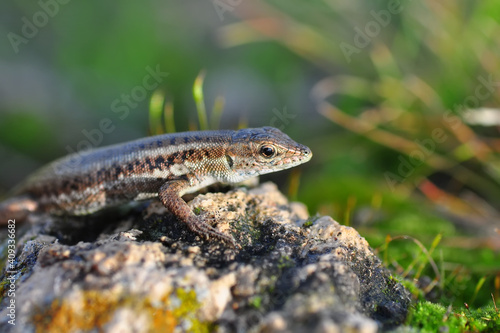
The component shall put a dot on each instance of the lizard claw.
(202, 228)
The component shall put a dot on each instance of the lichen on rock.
(147, 272)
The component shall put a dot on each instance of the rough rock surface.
(149, 273)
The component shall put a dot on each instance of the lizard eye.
(267, 151)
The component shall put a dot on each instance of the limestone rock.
(146, 272)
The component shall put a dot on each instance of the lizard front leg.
(169, 195)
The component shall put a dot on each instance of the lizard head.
(257, 151)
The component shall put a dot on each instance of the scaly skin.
(167, 166)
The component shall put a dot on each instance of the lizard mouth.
(301, 155)
(294, 157)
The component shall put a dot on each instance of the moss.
(285, 262)
(3, 256)
(3, 288)
(246, 226)
(98, 308)
(307, 223)
(310, 221)
(413, 289)
(430, 317)
(256, 302)
(189, 305)
(5, 282)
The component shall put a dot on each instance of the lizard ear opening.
(229, 160)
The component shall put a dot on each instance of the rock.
(147, 272)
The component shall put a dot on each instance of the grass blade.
(200, 101)
(155, 112)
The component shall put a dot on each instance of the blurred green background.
(397, 99)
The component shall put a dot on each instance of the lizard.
(166, 166)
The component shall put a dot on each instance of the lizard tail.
(17, 209)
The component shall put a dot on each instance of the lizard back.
(85, 182)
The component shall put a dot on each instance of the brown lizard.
(167, 166)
